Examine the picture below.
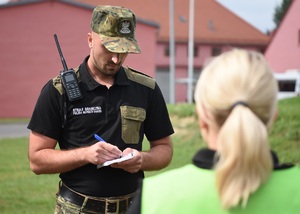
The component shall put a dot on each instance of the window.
(196, 51)
(216, 51)
(286, 85)
(167, 50)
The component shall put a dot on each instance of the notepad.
(118, 160)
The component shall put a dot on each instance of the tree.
(280, 11)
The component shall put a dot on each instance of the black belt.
(110, 204)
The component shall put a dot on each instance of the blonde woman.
(236, 104)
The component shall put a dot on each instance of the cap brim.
(120, 44)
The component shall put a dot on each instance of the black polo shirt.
(121, 115)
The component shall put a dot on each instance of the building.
(29, 56)
(283, 52)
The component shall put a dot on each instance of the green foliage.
(26, 193)
(280, 11)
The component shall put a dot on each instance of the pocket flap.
(133, 113)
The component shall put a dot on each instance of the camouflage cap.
(116, 28)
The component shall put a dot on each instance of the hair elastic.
(239, 103)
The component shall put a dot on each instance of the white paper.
(118, 160)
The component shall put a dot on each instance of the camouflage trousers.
(65, 207)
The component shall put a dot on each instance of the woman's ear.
(203, 125)
(209, 131)
(204, 129)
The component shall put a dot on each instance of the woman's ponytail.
(244, 157)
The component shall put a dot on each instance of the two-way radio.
(68, 77)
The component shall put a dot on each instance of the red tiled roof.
(213, 22)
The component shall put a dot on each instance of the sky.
(3, 1)
(258, 13)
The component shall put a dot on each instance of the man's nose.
(116, 58)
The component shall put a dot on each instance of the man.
(118, 104)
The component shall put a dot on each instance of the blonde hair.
(245, 161)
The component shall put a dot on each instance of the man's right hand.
(101, 152)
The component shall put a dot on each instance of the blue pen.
(98, 137)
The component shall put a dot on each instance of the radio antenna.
(60, 53)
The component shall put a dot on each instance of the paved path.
(13, 130)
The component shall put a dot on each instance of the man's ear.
(90, 40)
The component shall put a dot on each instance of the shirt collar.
(89, 82)
(207, 158)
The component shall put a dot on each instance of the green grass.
(24, 192)
(14, 120)
(21, 190)
(285, 134)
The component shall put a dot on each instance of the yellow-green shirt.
(192, 190)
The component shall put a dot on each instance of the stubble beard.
(107, 72)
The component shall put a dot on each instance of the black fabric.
(99, 113)
(204, 158)
(207, 158)
(277, 165)
(135, 206)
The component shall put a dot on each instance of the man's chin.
(112, 68)
(111, 72)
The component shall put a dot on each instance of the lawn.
(24, 192)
